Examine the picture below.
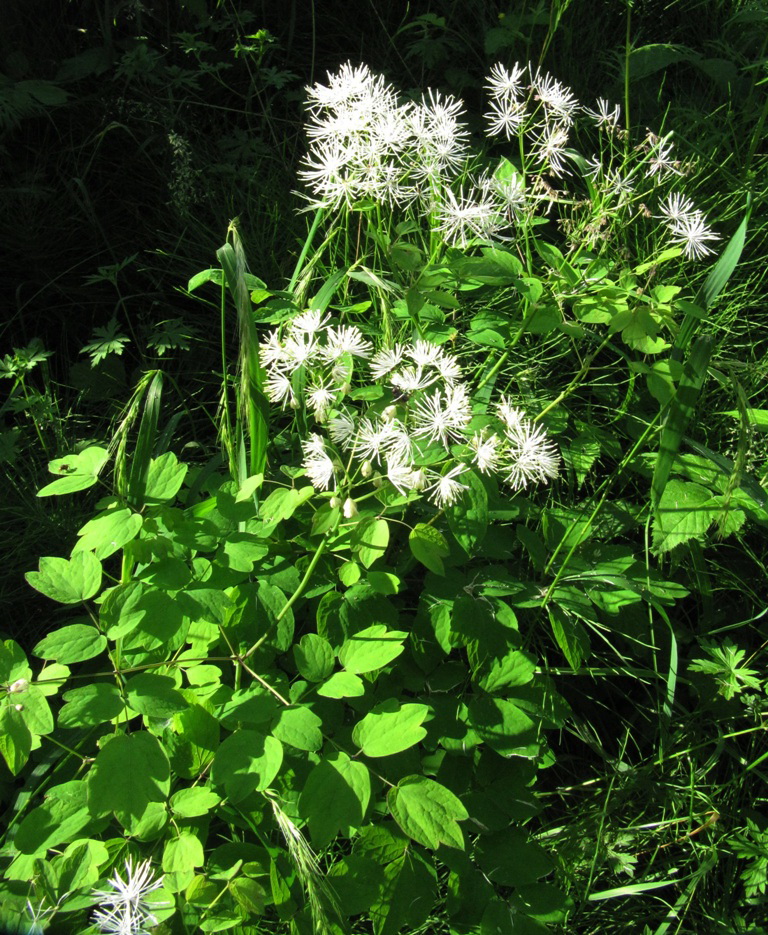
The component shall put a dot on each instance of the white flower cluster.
(325, 352)
(365, 145)
(125, 910)
(430, 408)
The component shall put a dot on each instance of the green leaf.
(427, 812)
(371, 648)
(15, 738)
(383, 582)
(74, 643)
(510, 859)
(299, 727)
(62, 817)
(165, 477)
(349, 573)
(370, 540)
(389, 728)
(504, 726)
(194, 802)
(407, 897)
(570, 635)
(129, 772)
(245, 761)
(428, 546)
(342, 685)
(272, 601)
(78, 471)
(684, 512)
(335, 798)
(68, 582)
(314, 657)
(34, 709)
(282, 503)
(249, 487)
(183, 853)
(13, 662)
(90, 705)
(154, 695)
(108, 532)
(468, 517)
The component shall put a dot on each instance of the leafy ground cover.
(393, 558)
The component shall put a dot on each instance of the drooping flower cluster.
(420, 417)
(124, 908)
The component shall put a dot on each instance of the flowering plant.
(311, 685)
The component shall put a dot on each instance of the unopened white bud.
(418, 479)
(366, 469)
(350, 508)
(20, 685)
(294, 403)
(389, 413)
(335, 503)
(19, 707)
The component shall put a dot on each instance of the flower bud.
(350, 508)
(366, 469)
(19, 707)
(335, 503)
(20, 685)
(389, 414)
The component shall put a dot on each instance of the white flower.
(317, 464)
(440, 139)
(692, 234)
(529, 455)
(319, 399)
(448, 368)
(509, 192)
(558, 100)
(410, 379)
(279, 388)
(443, 415)
(345, 339)
(386, 360)
(549, 148)
(424, 353)
(487, 451)
(402, 475)
(125, 909)
(341, 428)
(661, 164)
(504, 84)
(604, 116)
(676, 208)
(271, 353)
(373, 440)
(310, 321)
(298, 349)
(510, 415)
(460, 220)
(505, 117)
(446, 490)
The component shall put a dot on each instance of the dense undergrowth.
(401, 561)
